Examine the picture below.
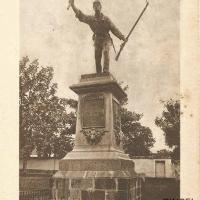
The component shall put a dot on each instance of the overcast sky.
(149, 63)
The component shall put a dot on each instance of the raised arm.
(79, 14)
(71, 2)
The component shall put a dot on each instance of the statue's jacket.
(101, 27)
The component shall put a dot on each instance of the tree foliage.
(138, 139)
(163, 153)
(45, 124)
(169, 122)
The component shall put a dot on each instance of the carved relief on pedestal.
(117, 136)
(116, 122)
(93, 135)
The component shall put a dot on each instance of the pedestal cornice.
(104, 82)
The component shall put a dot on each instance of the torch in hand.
(70, 3)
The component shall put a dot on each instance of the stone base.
(100, 179)
(98, 189)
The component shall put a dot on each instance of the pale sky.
(149, 63)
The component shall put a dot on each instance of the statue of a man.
(100, 25)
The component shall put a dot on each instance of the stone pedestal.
(97, 168)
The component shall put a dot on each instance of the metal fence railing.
(35, 195)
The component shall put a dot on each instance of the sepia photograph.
(104, 102)
(99, 100)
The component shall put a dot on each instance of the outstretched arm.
(79, 14)
(116, 31)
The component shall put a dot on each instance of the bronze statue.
(101, 25)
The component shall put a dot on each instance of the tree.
(137, 139)
(169, 122)
(45, 124)
(163, 153)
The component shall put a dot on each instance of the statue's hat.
(96, 1)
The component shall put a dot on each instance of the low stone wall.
(36, 163)
(161, 188)
(30, 180)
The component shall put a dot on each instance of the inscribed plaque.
(93, 111)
